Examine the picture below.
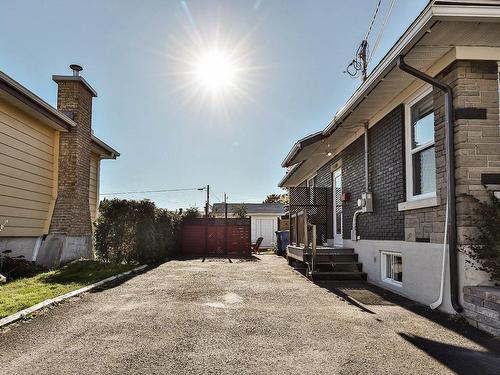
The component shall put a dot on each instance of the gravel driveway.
(213, 317)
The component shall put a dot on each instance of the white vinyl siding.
(94, 186)
(28, 173)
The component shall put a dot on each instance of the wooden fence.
(216, 237)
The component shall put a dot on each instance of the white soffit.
(471, 39)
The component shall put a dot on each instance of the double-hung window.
(420, 149)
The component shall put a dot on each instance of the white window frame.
(383, 268)
(308, 183)
(419, 95)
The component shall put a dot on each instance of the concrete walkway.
(244, 317)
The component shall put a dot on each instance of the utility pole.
(225, 223)
(225, 206)
(207, 207)
(364, 61)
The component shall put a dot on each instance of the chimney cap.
(76, 69)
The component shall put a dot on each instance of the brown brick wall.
(477, 147)
(72, 213)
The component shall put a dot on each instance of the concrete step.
(332, 275)
(339, 266)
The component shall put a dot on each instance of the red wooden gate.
(216, 237)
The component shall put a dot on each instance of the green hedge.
(135, 232)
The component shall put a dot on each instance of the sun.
(215, 71)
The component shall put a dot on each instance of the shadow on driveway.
(458, 359)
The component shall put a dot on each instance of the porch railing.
(318, 206)
(303, 234)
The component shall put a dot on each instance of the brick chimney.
(70, 233)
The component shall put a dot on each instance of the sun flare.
(215, 71)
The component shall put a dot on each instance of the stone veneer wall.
(477, 147)
(482, 308)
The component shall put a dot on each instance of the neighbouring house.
(264, 219)
(379, 177)
(49, 170)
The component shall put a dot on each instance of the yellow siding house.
(39, 167)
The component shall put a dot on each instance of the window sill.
(393, 282)
(416, 204)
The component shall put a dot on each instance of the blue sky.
(138, 55)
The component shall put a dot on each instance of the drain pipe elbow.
(354, 232)
(450, 174)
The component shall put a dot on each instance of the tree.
(277, 198)
(240, 211)
(272, 198)
(191, 212)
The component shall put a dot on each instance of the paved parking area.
(242, 317)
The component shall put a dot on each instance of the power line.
(153, 191)
(381, 32)
(216, 195)
(373, 20)
(359, 65)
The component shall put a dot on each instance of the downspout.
(450, 174)
(354, 231)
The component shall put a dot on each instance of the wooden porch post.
(306, 238)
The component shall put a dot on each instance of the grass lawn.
(22, 293)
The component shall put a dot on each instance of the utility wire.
(215, 195)
(381, 32)
(373, 20)
(152, 191)
(359, 65)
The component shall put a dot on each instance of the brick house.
(376, 180)
(49, 170)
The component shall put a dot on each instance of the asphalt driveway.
(244, 317)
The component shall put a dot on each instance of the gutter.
(435, 11)
(114, 154)
(450, 174)
(22, 94)
(289, 174)
(299, 145)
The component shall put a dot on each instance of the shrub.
(16, 267)
(240, 211)
(135, 231)
(484, 248)
(191, 212)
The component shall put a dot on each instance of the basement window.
(420, 147)
(392, 268)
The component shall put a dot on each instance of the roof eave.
(299, 145)
(111, 152)
(413, 33)
(51, 116)
(433, 12)
(287, 176)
